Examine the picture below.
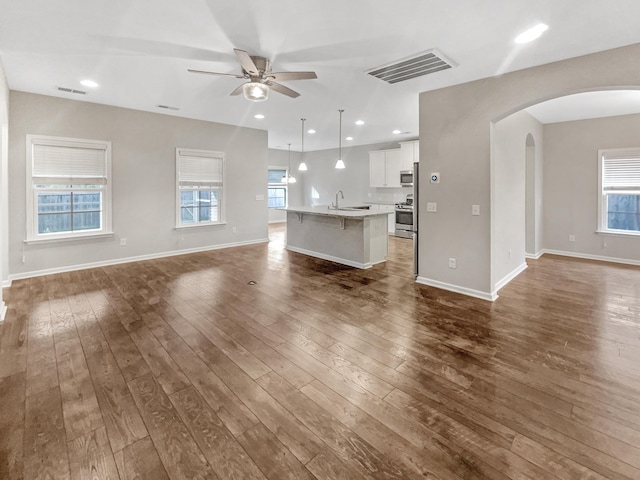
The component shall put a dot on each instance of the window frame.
(31, 228)
(612, 153)
(211, 154)
(278, 185)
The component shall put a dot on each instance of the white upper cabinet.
(384, 168)
(410, 152)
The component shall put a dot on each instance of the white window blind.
(68, 188)
(621, 174)
(196, 170)
(71, 165)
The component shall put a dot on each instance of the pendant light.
(288, 178)
(303, 166)
(340, 163)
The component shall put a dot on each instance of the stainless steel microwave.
(406, 178)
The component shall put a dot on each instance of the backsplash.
(387, 195)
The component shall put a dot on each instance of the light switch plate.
(432, 207)
(475, 209)
(259, 197)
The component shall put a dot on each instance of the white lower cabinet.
(385, 207)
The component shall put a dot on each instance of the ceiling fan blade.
(285, 76)
(237, 90)
(245, 60)
(215, 73)
(282, 89)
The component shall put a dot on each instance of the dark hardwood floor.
(182, 368)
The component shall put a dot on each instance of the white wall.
(4, 186)
(571, 186)
(455, 141)
(143, 162)
(508, 181)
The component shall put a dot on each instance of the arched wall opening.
(457, 128)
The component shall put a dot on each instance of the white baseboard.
(457, 289)
(507, 278)
(534, 256)
(3, 311)
(331, 258)
(118, 261)
(587, 256)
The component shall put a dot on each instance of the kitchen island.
(350, 235)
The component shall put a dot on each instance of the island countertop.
(347, 211)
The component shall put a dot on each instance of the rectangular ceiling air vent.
(416, 66)
(71, 90)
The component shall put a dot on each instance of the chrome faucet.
(341, 195)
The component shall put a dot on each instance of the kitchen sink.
(353, 208)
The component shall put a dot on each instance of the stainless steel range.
(404, 218)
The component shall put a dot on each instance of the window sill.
(199, 225)
(618, 233)
(75, 238)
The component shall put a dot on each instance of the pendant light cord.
(340, 139)
(302, 135)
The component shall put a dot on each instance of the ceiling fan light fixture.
(255, 91)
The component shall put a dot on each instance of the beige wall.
(508, 187)
(280, 158)
(4, 187)
(455, 125)
(571, 186)
(143, 164)
(321, 182)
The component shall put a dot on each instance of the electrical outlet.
(475, 209)
(452, 263)
(259, 198)
(123, 242)
(572, 238)
(234, 230)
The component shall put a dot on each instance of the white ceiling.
(139, 52)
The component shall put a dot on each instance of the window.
(277, 188)
(200, 181)
(68, 188)
(619, 205)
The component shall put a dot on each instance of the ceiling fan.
(258, 71)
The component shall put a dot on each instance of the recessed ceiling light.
(349, 138)
(359, 122)
(531, 34)
(311, 130)
(259, 116)
(397, 132)
(88, 83)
